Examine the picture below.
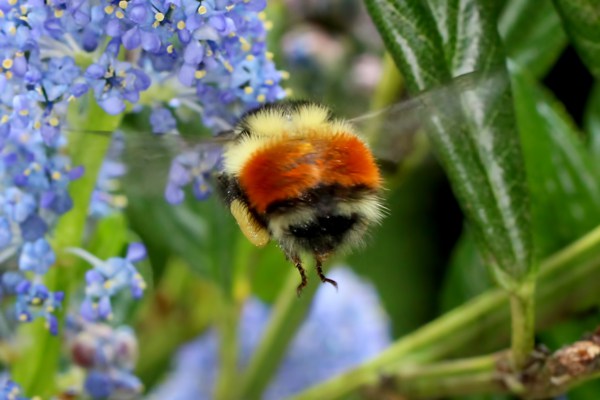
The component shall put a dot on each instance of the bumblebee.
(294, 174)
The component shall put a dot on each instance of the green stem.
(564, 286)
(547, 376)
(287, 315)
(463, 366)
(228, 349)
(228, 320)
(451, 378)
(523, 326)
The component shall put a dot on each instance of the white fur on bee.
(369, 209)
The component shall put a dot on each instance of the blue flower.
(107, 278)
(193, 167)
(342, 330)
(162, 121)
(37, 256)
(114, 82)
(34, 300)
(18, 205)
(98, 385)
(11, 391)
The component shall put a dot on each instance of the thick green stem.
(228, 350)
(451, 378)
(567, 282)
(523, 324)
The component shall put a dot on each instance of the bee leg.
(298, 263)
(319, 267)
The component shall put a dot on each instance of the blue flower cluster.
(342, 330)
(194, 168)
(209, 55)
(34, 179)
(215, 47)
(107, 278)
(108, 356)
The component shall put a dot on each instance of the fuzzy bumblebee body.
(298, 176)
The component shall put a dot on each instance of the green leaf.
(532, 33)
(410, 35)
(563, 176)
(581, 19)
(563, 180)
(468, 29)
(481, 155)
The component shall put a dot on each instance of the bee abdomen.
(324, 218)
(325, 234)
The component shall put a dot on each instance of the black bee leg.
(324, 279)
(298, 263)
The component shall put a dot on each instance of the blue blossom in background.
(11, 391)
(162, 121)
(193, 168)
(108, 278)
(342, 330)
(33, 299)
(108, 356)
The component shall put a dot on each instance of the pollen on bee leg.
(298, 263)
(249, 226)
(319, 260)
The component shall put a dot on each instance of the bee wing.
(147, 162)
(392, 131)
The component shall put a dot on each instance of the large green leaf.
(410, 35)
(481, 154)
(563, 179)
(532, 33)
(581, 19)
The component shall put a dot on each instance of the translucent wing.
(151, 166)
(391, 131)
